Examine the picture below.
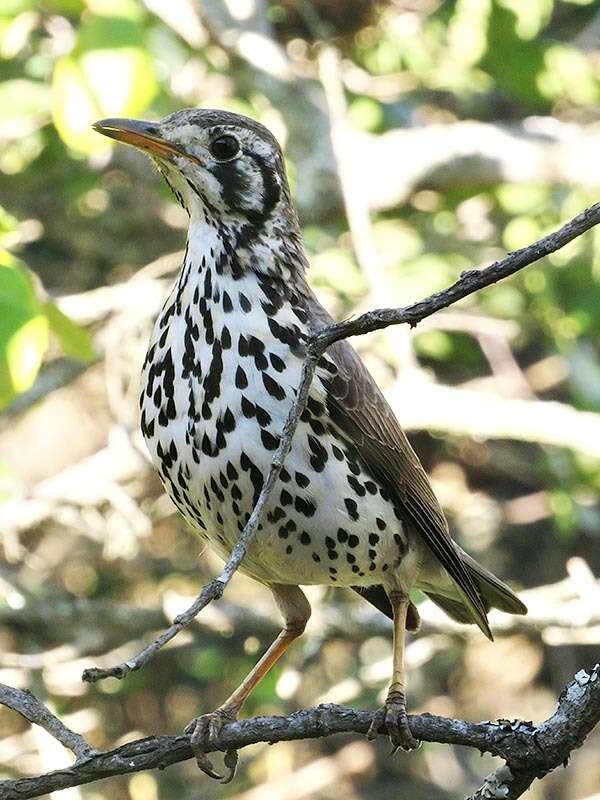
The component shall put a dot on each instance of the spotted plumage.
(354, 506)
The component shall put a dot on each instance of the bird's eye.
(224, 148)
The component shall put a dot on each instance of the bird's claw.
(392, 717)
(204, 732)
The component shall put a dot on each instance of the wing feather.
(359, 409)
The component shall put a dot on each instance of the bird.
(353, 506)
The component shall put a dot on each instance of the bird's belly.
(327, 520)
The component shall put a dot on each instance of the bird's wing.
(357, 406)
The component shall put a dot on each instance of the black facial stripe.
(271, 187)
(233, 183)
(236, 185)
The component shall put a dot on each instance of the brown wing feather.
(359, 409)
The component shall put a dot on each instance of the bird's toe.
(204, 732)
(392, 716)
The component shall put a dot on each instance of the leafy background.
(507, 384)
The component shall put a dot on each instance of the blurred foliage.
(78, 215)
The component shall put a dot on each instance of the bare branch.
(529, 751)
(552, 742)
(28, 706)
(215, 589)
(469, 282)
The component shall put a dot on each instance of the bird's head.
(224, 168)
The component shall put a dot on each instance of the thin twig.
(470, 281)
(214, 590)
(28, 706)
(528, 750)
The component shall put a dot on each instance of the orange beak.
(140, 134)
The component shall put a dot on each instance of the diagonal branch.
(28, 706)
(529, 751)
(470, 282)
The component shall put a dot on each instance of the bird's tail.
(494, 592)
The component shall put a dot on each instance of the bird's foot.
(392, 717)
(204, 732)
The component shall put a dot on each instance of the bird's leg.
(204, 730)
(392, 715)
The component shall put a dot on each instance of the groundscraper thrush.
(353, 506)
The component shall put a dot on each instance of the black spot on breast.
(273, 388)
(245, 304)
(207, 447)
(277, 363)
(276, 515)
(256, 349)
(319, 454)
(248, 409)
(357, 486)
(228, 421)
(262, 417)
(256, 477)
(269, 441)
(337, 452)
(212, 381)
(208, 284)
(241, 381)
(305, 507)
(302, 480)
(351, 508)
(232, 472)
(288, 335)
(225, 338)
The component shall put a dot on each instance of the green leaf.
(109, 74)
(74, 340)
(23, 329)
(22, 102)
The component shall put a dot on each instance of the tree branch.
(529, 751)
(28, 706)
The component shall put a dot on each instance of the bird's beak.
(140, 134)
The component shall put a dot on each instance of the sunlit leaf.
(24, 105)
(24, 352)
(23, 329)
(108, 74)
(74, 340)
(569, 73)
